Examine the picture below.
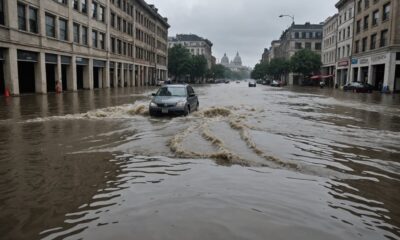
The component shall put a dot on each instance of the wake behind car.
(177, 99)
(252, 83)
(276, 83)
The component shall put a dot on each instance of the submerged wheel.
(186, 111)
(197, 106)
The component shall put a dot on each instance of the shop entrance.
(397, 79)
(51, 77)
(79, 76)
(96, 77)
(379, 71)
(26, 77)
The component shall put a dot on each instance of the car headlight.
(181, 104)
(153, 104)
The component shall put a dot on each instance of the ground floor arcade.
(24, 71)
(380, 70)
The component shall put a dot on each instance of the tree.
(179, 61)
(218, 71)
(198, 66)
(278, 67)
(305, 62)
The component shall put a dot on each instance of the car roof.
(176, 85)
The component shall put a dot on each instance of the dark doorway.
(2, 81)
(379, 76)
(112, 77)
(64, 77)
(397, 79)
(26, 77)
(96, 77)
(355, 74)
(79, 76)
(51, 77)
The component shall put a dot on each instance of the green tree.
(305, 62)
(198, 66)
(179, 61)
(278, 67)
(218, 71)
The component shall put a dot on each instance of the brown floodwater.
(252, 163)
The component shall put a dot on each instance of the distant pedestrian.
(58, 87)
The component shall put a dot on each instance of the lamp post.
(291, 16)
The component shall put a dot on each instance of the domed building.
(235, 65)
(238, 60)
(225, 60)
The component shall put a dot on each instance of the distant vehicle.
(179, 99)
(358, 87)
(322, 84)
(259, 81)
(264, 82)
(237, 81)
(227, 81)
(252, 83)
(276, 83)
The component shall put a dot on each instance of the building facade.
(80, 44)
(328, 55)
(195, 44)
(296, 37)
(376, 51)
(345, 34)
(265, 56)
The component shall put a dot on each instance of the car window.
(172, 91)
(190, 90)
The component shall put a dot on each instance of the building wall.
(127, 41)
(328, 55)
(196, 48)
(377, 63)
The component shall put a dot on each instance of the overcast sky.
(247, 26)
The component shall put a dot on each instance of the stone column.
(58, 72)
(359, 75)
(370, 74)
(390, 72)
(122, 75)
(72, 84)
(40, 74)
(115, 74)
(88, 75)
(100, 74)
(106, 75)
(11, 71)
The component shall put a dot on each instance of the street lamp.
(291, 16)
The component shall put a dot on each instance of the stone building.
(80, 44)
(265, 55)
(195, 44)
(376, 51)
(296, 37)
(345, 33)
(328, 55)
(235, 65)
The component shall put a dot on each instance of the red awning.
(316, 77)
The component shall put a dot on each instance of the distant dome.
(225, 60)
(238, 60)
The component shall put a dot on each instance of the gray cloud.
(247, 26)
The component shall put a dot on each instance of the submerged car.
(177, 99)
(252, 83)
(276, 83)
(358, 87)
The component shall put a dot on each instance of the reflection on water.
(298, 163)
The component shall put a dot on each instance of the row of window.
(328, 57)
(375, 18)
(345, 33)
(121, 24)
(307, 35)
(144, 54)
(145, 37)
(121, 47)
(346, 15)
(308, 45)
(328, 42)
(344, 51)
(362, 46)
(366, 4)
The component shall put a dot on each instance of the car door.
(191, 97)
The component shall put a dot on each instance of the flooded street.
(252, 163)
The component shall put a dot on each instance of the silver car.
(174, 99)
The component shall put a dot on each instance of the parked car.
(276, 83)
(358, 87)
(252, 83)
(179, 99)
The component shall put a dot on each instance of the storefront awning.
(317, 77)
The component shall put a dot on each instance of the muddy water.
(251, 164)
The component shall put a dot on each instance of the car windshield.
(172, 91)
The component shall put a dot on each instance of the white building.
(344, 40)
(195, 44)
(328, 54)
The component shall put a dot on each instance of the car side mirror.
(153, 94)
(192, 95)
